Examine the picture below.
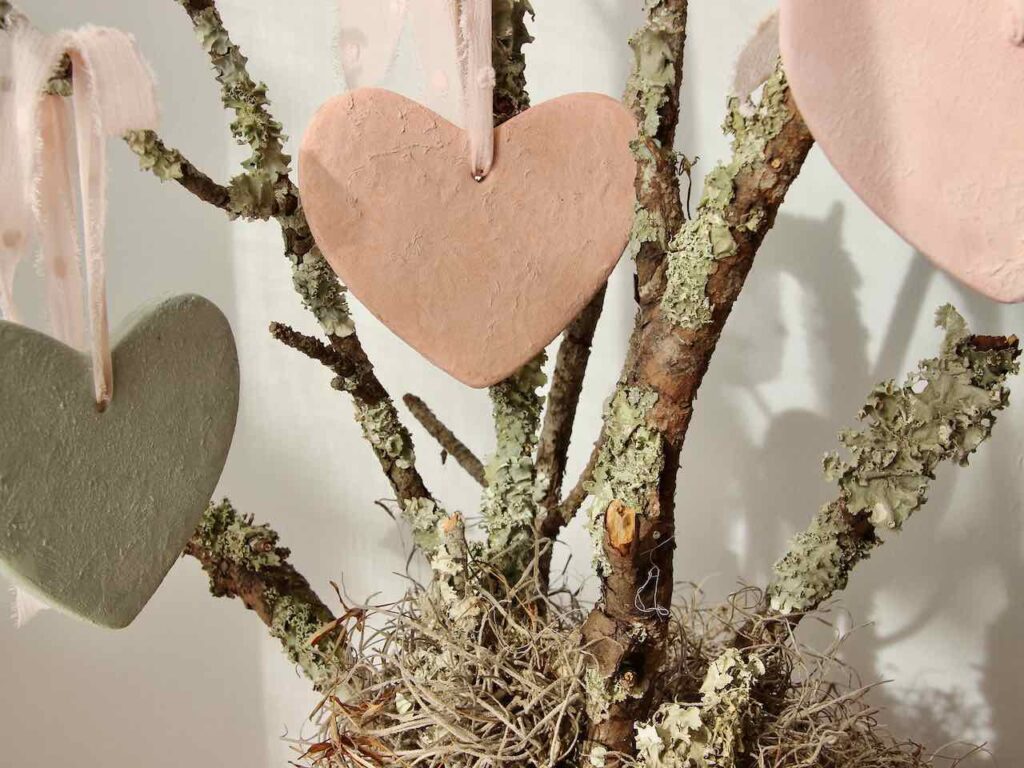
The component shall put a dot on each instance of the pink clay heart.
(918, 104)
(476, 276)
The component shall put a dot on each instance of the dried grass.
(424, 692)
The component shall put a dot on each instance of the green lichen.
(164, 163)
(629, 463)
(319, 288)
(708, 238)
(511, 500)
(943, 412)
(225, 536)
(657, 47)
(602, 693)
(424, 517)
(713, 733)
(258, 192)
(293, 624)
(231, 536)
(385, 433)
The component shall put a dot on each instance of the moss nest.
(504, 686)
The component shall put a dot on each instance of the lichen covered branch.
(942, 413)
(447, 439)
(169, 164)
(633, 479)
(260, 190)
(511, 499)
(244, 560)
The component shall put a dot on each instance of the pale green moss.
(227, 535)
(153, 156)
(629, 463)
(424, 516)
(656, 50)
(713, 733)
(258, 193)
(708, 238)
(943, 412)
(385, 433)
(511, 499)
(319, 288)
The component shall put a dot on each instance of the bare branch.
(564, 397)
(244, 560)
(454, 447)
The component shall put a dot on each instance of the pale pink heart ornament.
(476, 276)
(918, 104)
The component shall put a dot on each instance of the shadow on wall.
(766, 487)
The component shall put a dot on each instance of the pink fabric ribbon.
(453, 41)
(113, 92)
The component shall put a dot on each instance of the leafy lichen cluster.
(629, 463)
(231, 543)
(943, 412)
(713, 733)
(511, 499)
(163, 162)
(708, 238)
(259, 192)
(649, 90)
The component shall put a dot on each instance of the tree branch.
(244, 560)
(686, 295)
(265, 190)
(563, 399)
(169, 164)
(942, 413)
(454, 447)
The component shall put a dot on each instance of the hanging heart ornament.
(108, 458)
(917, 103)
(476, 276)
(96, 507)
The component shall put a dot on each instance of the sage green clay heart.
(96, 507)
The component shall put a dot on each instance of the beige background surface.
(836, 302)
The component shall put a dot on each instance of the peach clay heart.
(917, 103)
(477, 276)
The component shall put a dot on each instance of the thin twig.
(454, 447)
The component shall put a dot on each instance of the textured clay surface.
(477, 276)
(96, 507)
(918, 105)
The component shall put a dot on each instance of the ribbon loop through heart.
(453, 41)
(113, 92)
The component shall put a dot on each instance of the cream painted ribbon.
(453, 41)
(113, 92)
(478, 76)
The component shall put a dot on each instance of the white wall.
(835, 303)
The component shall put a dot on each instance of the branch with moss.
(450, 444)
(511, 499)
(689, 276)
(942, 413)
(244, 560)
